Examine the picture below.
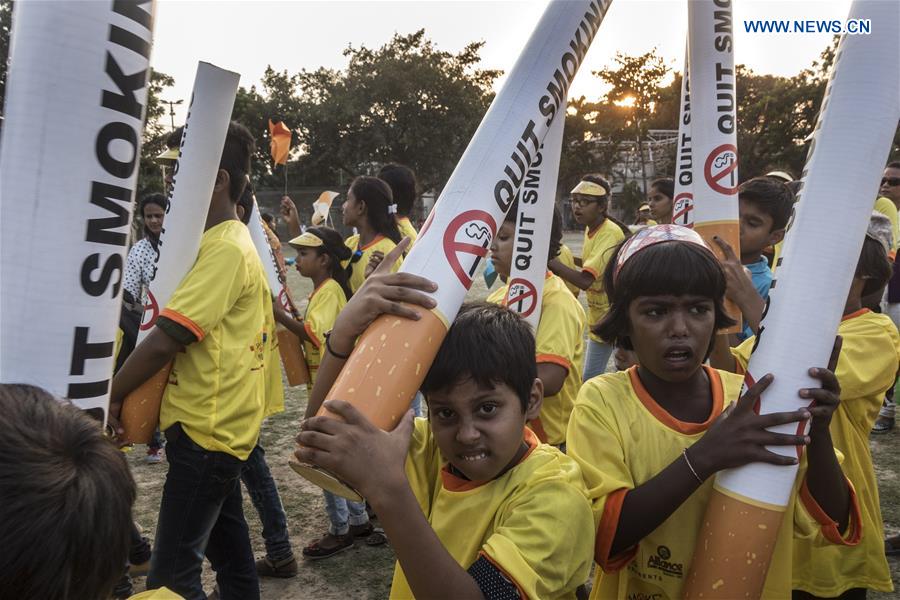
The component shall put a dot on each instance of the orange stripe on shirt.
(554, 359)
(312, 335)
(830, 528)
(606, 533)
(184, 322)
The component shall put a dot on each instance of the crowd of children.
(541, 471)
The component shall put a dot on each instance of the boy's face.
(892, 192)
(588, 209)
(502, 248)
(756, 229)
(671, 334)
(153, 218)
(480, 430)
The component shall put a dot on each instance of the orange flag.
(281, 141)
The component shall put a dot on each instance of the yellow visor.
(306, 239)
(589, 188)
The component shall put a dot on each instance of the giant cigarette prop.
(295, 367)
(851, 141)
(683, 200)
(205, 129)
(393, 355)
(75, 104)
(533, 224)
(713, 117)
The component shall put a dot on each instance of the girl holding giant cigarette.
(649, 439)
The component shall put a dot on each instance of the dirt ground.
(365, 572)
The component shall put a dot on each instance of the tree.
(406, 102)
(6, 9)
(636, 83)
(154, 135)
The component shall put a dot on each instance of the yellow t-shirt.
(597, 252)
(866, 369)
(380, 243)
(559, 340)
(567, 258)
(622, 438)
(160, 594)
(325, 303)
(407, 230)
(217, 386)
(886, 207)
(533, 523)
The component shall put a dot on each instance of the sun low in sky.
(247, 35)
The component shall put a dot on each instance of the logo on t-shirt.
(660, 561)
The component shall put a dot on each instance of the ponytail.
(380, 207)
(334, 247)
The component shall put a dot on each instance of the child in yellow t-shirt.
(473, 504)
(650, 438)
(867, 367)
(567, 258)
(590, 202)
(320, 251)
(559, 335)
(403, 187)
(370, 208)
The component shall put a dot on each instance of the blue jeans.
(343, 513)
(264, 495)
(201, 512)
(596, 358)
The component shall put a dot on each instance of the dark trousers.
(264, 494)
(202, 513)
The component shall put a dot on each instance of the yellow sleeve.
(868, 363)
(592, 259)
(423, 464)
(812, 523)
(741, 354)
(592, 439)
(321, 315)
(210, 289)
(557, 335)
(543, 542)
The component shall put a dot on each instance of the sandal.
(362, 531)
(892, 546)
(883, 425)
(377, 537)
(329, 545)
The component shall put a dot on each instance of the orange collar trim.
(319, 287)
(455, 483)
(664, 417)
(377, 239)
(854, 314)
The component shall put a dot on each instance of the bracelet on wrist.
(331, 350)
(690, 466)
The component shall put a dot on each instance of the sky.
(247, 35)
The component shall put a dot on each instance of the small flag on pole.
(281, 141)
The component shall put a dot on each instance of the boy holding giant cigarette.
(473, 504)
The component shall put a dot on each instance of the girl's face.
(671, 334)
(310, 263)
(502, 248)
(153, 218)
(352, 210)
(660, 206)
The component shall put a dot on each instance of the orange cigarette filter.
(140, 410)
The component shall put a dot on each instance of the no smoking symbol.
(521, 297)
(682, 206)
(468, 236)
(151, 312)
(720, 170)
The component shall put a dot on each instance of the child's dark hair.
(377, 196)
(403, 186)
(555, 228)
(269, 219)
(771, 196)
(333, 246)
(67, 493)
(874, 266)
(668, 268)
(665, 185)
(246, 202)
(236, 153)
(158, 199)
(488, 344)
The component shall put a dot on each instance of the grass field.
(365, 572)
